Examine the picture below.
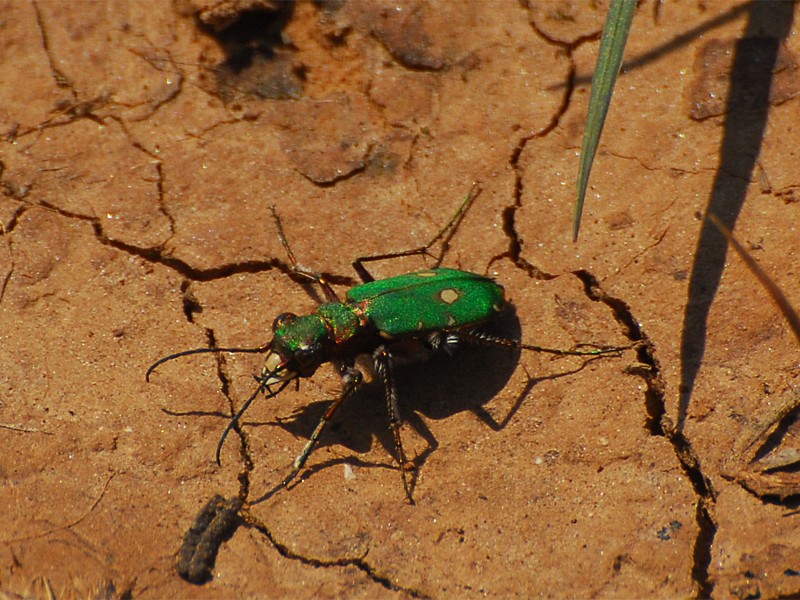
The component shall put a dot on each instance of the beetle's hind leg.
(352, 379)
(382, 359)
(445, 234)
(480, 338)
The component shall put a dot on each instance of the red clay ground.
(137, 175)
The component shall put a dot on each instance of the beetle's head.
(298, 348)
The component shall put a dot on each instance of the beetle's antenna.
(262, 387)
(161, 361)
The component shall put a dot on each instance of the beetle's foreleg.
(352, 379)
(383, 367)
(330, 293)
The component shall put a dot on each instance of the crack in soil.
(72, 523)
(157, 256)
(645, 350)
(15, 191)
(567, 46)
(244, 443)
(59, 77)
(68, 112)
(171, 94)
(514, 251)
(358, 563)
(659, 424)
(10, 272)
(635, 258)
(65, 113)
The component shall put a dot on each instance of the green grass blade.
(609, 59)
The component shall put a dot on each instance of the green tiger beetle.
(434, 309)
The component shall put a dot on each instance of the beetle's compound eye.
(307, 357)
(282, 320)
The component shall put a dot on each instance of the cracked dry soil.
(142, 146)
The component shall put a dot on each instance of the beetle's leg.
(383, 367)
(480, 338)
(445, 234)
(352, 379)
(330, 293)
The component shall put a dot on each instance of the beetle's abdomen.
(437, 299)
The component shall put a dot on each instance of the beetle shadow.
(434, 387)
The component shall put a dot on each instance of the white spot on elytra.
(449, 295)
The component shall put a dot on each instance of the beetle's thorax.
(343, 321)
